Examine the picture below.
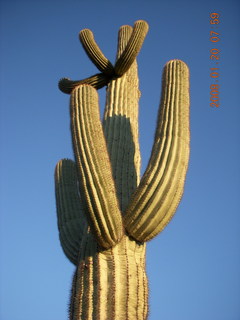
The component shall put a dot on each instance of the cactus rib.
(161, 187)
(94, 167)
(94, 53)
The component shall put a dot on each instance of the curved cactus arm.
(161, 187)
(94, 168)
(132, 49)
(70, 211)
(121, 126)
(94, 53)
(97, 81)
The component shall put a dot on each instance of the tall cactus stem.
(121, 126)
(105, 212)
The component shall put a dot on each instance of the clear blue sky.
(194, 264)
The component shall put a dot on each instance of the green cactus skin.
(106, 213)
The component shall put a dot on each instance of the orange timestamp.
(214, 58)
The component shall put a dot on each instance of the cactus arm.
(96, 181)
(132, 48)
(161, 187)
(94, 53)
(97, 81)
(70, 211)
(121, 126)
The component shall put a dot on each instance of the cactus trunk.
(110, 284)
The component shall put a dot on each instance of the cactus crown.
(108, 72)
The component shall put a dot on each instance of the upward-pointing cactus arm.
(94, 168)
(70, 211)
(94, 53)
(161, 186)
(132, 48)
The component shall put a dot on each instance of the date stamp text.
(214, 58)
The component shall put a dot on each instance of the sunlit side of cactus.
(106, 213)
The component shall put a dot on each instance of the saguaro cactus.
(106, 213)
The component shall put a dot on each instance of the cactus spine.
(105, 212)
